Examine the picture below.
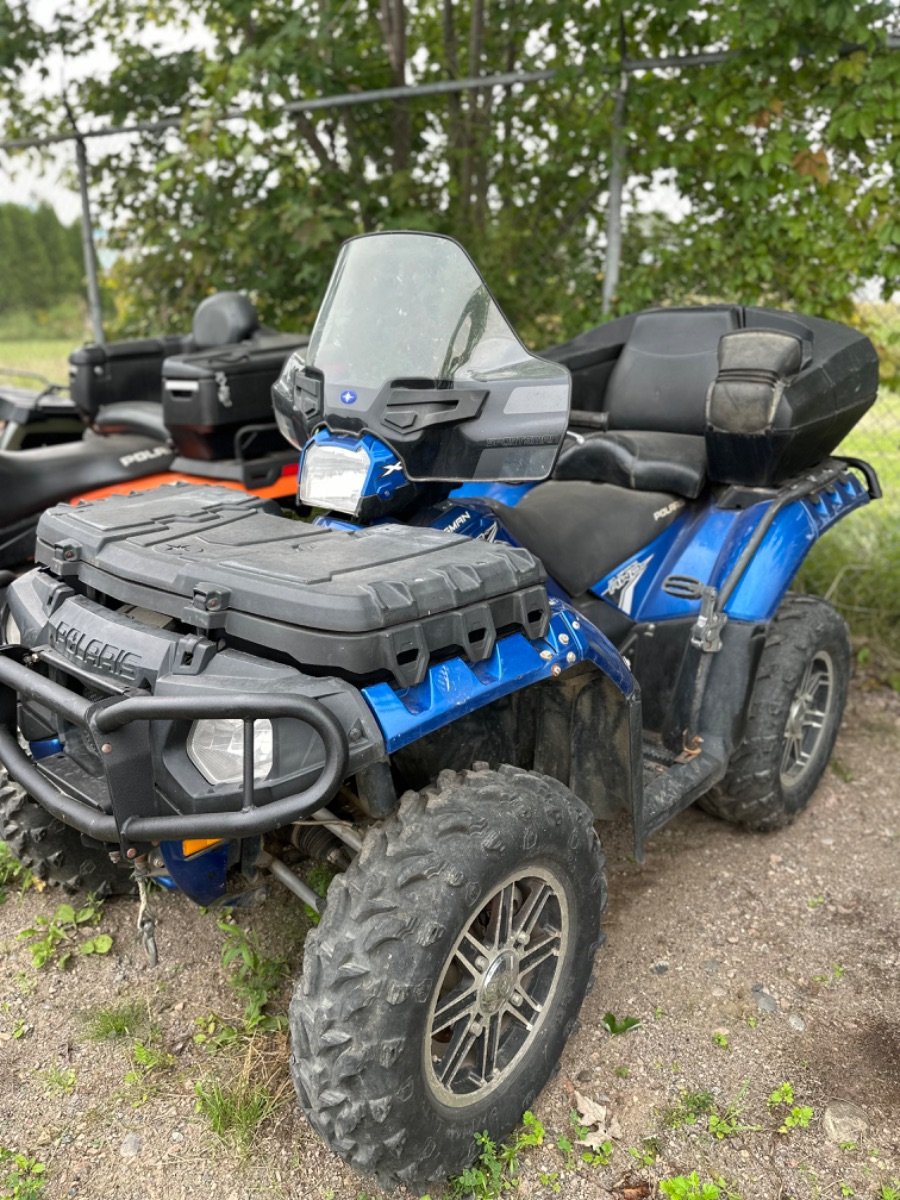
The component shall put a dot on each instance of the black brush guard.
(119, 727)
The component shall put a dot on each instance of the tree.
(785, 154)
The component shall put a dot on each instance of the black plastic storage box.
(772, 392)
(209, 395)
(102, 375)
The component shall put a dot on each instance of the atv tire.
(406, 1039)
(54, 852)
(795, 712)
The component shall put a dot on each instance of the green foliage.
(254, 977)
(56, 938)
(42, 265)
(497, 1166)
(646, 1154)
(688, 1109)
(148, 1062)
(890, 1191)
(783, 153)
(690, 1187)
(117, 1021)
(12, 872)
(798, 1116)
(720, 1039)
(616, 1027)
(21, 1177)
(234, 1110)
(60, 1080)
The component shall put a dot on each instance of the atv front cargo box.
(211, 395)
(383, 602)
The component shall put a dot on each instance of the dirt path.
(749, 960)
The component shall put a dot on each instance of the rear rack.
(120, 729)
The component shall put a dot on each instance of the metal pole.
(87, 242)
(616, 187)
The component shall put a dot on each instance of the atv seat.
(32, 480)
(141, 417)
(581, 531)
(655, 406)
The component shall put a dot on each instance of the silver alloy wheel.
(496, 987)
(806, 718)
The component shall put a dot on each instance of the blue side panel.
(44, 747)
(201, 876)
(504, 493)
(456, 687)
(706, 542)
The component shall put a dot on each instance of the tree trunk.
(393, 26)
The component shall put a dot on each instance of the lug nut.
(481, 962)
(517, 999)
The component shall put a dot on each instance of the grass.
(118, 1021)
(234, 1110)
(49, 359)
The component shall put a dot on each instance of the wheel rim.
(808, 714)
(496, 987)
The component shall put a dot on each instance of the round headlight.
(12, 635)
(216, 748)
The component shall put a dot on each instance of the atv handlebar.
(119, 726)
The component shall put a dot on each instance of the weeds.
(798, 1116)
(616, 1027)
(233, 1110)
(254, 978)
(123, 1020)
(147, 1063)
(21, 1177)
(12, 872)
(59, 1080)
(646, 1154)
(690, 1187)
(720, 1039)
(55, 939)
(497, 1166)
(691, 1106)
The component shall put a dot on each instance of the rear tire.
(795, 713)
(480, 897)
(54, 852)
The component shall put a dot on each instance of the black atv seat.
(580, 531)
(141, 417)
(31, 480)
(655, 406)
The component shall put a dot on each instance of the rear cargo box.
(101, 375)
(209, 395)
(380, 602)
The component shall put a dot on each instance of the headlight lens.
(216, 748)
(333, 477)
(12, 635)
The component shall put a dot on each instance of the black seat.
(32, 480)
(642, 460)
(141, 417)
(581, 531)
(655, 405)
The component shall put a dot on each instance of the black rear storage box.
(208, 395)
(101, 375)
(783, 389)
(379, 602)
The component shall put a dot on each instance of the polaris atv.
(526, 619)
(195, 407)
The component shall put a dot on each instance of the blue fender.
(456, 687)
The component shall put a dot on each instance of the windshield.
(408, 306)
(410, 346)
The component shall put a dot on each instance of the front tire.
(795, 713)
(54, 852)
(441, 986)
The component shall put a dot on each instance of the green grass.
(118, 1021)
(47, 358)
(234, 1110)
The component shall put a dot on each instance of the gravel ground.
(786, 946)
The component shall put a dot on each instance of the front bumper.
(143, 789)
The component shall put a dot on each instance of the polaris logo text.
(668, 510)
(93, 654)
(139, 456)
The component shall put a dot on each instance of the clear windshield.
(408, 306)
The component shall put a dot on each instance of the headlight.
(333, 477)
(12, 635)
(216, 748)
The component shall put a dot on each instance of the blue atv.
(533, 593)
